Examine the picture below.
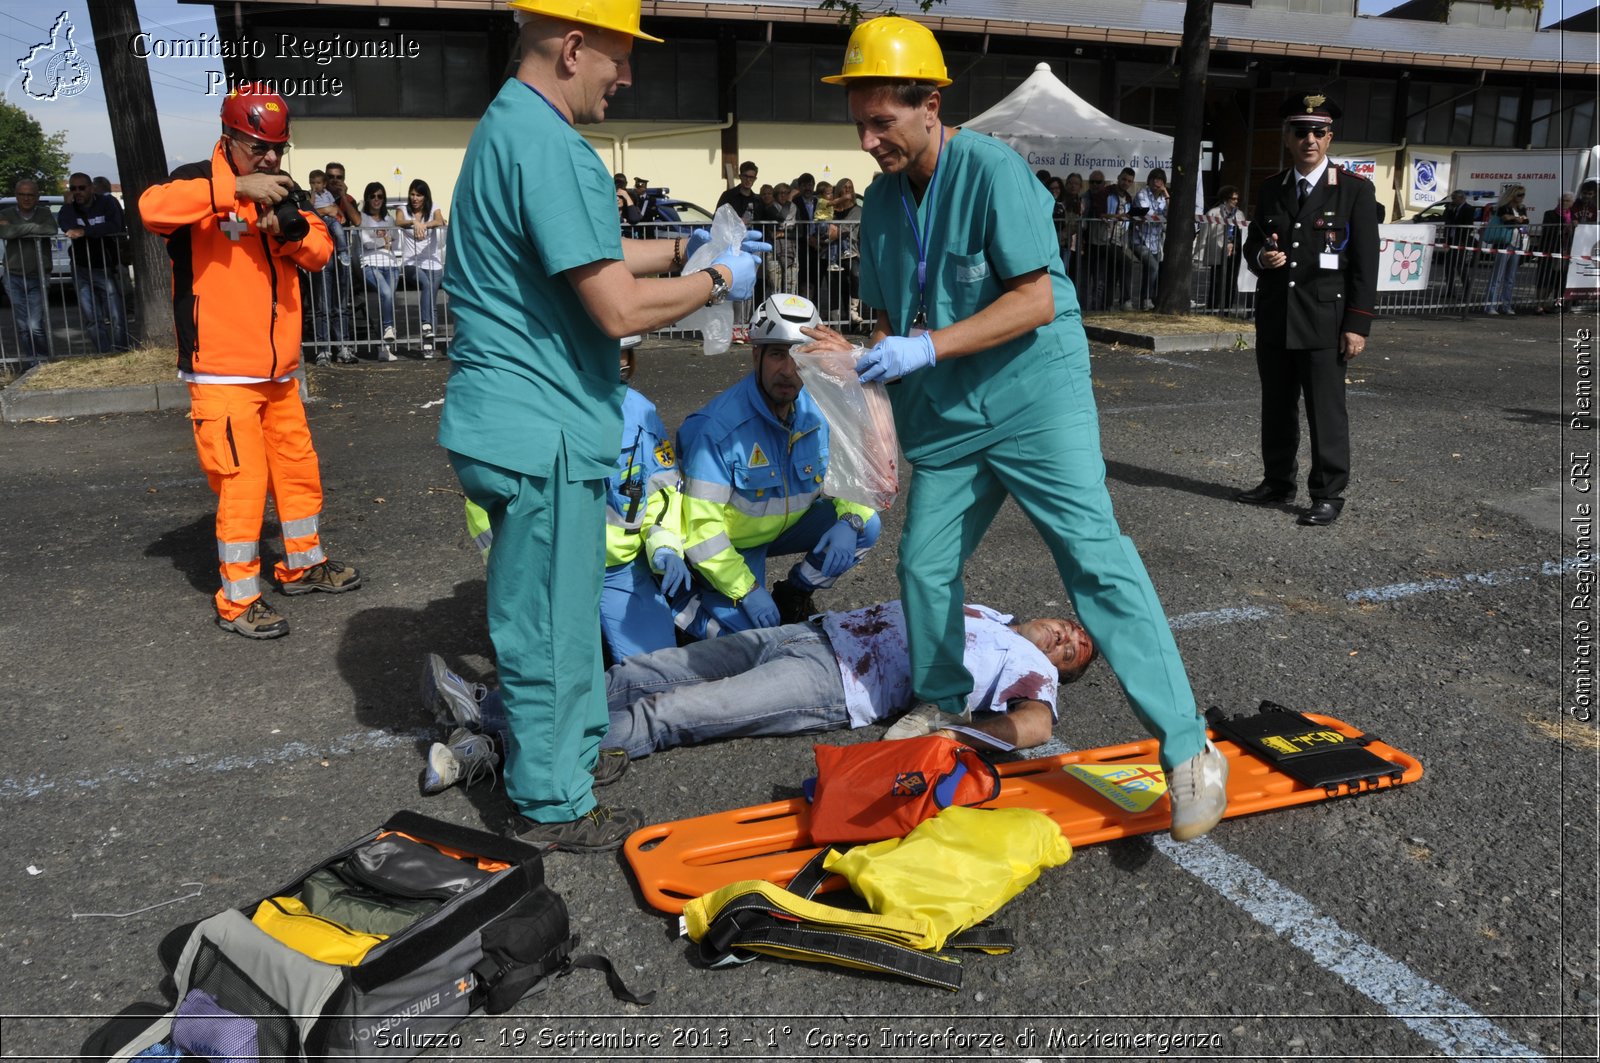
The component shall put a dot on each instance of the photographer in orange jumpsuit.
(236, 228)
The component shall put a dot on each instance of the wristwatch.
(719, 287)
(856, 523)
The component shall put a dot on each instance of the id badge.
(1328, 260)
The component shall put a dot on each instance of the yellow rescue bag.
(955, 870)
(292, 923)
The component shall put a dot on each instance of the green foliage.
(851, 12)
(25, 151)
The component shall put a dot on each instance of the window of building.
(448, 79)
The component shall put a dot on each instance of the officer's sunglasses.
(1302, 130)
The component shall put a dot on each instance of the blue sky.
(188, 115)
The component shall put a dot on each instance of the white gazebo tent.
(1055, 129)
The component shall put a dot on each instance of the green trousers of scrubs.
(545, 575)
(1057, 476)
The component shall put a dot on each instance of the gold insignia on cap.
(1313, 102)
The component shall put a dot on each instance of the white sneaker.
(386, 355)
(465, 758)
(346, 356)
(1491, 311)
(1127, 304)
(923, 719)
(388, 334)
(427, 333)
(427, 351)
(1198, 791)
(1149, 304)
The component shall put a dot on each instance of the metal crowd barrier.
(57, 307)
(83, 310)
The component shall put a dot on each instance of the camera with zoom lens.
(292, 225)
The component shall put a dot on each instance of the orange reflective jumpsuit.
(236, 302)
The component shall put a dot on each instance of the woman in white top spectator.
(380, 260)
(422, 235)
(1220, 243)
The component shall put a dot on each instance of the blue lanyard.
(546, 100)
(922, 248)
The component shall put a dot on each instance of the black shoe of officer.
(1321, 514)
(794, 605)
(1266, 493)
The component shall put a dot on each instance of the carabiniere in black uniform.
(1327, 288)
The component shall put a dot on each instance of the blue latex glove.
(836, 548)
(895, 357)
(760, 608)
(743, 268)
(755, 243)
(674, 573)
(698, 238)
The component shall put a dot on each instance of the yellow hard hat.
(892, 47)
(619, 15)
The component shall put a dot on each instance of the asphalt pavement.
(159, 769)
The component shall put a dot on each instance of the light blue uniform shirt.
(531, 373)
(988, 220)
(875, 665)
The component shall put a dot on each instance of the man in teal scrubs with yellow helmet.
(543, 286)
(981, 330)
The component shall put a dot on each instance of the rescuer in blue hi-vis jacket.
(643, 525)
(754, 459)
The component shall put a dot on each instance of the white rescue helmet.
(779, 319)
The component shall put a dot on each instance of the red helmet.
(254, 110)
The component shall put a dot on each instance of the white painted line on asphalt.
(1158, 360)
(1428, 1010)
(291, 751)
(1215, 617)
(1393, 592)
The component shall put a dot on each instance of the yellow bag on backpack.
(292, 923)
(956, 869)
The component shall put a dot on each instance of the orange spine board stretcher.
(676, 862)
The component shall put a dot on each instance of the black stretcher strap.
(1311, 753)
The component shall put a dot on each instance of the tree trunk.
(141, 161)
(1177, 262)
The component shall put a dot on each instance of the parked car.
(60, 246)
(664, 216)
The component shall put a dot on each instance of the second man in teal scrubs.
(981, 329)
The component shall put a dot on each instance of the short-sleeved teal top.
(988, 220)
(531, 372)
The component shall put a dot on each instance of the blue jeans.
(1151, 261)
(754, 684)
(383, 278)
(27, 292)
(703, 612)
(1502, 282)
(775, 681)
(330, 303)
(427, 282)
(100, 297)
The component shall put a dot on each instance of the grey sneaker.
(331, 576)
(612, 765)
(923, 719)
(465, 757)
(387, 355)
(346, 355)
(452, 700)
(1198, 790)
(388, 334)
(600, 830)
(324, 357)
(257, 622)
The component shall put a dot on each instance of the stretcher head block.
(675, 862)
